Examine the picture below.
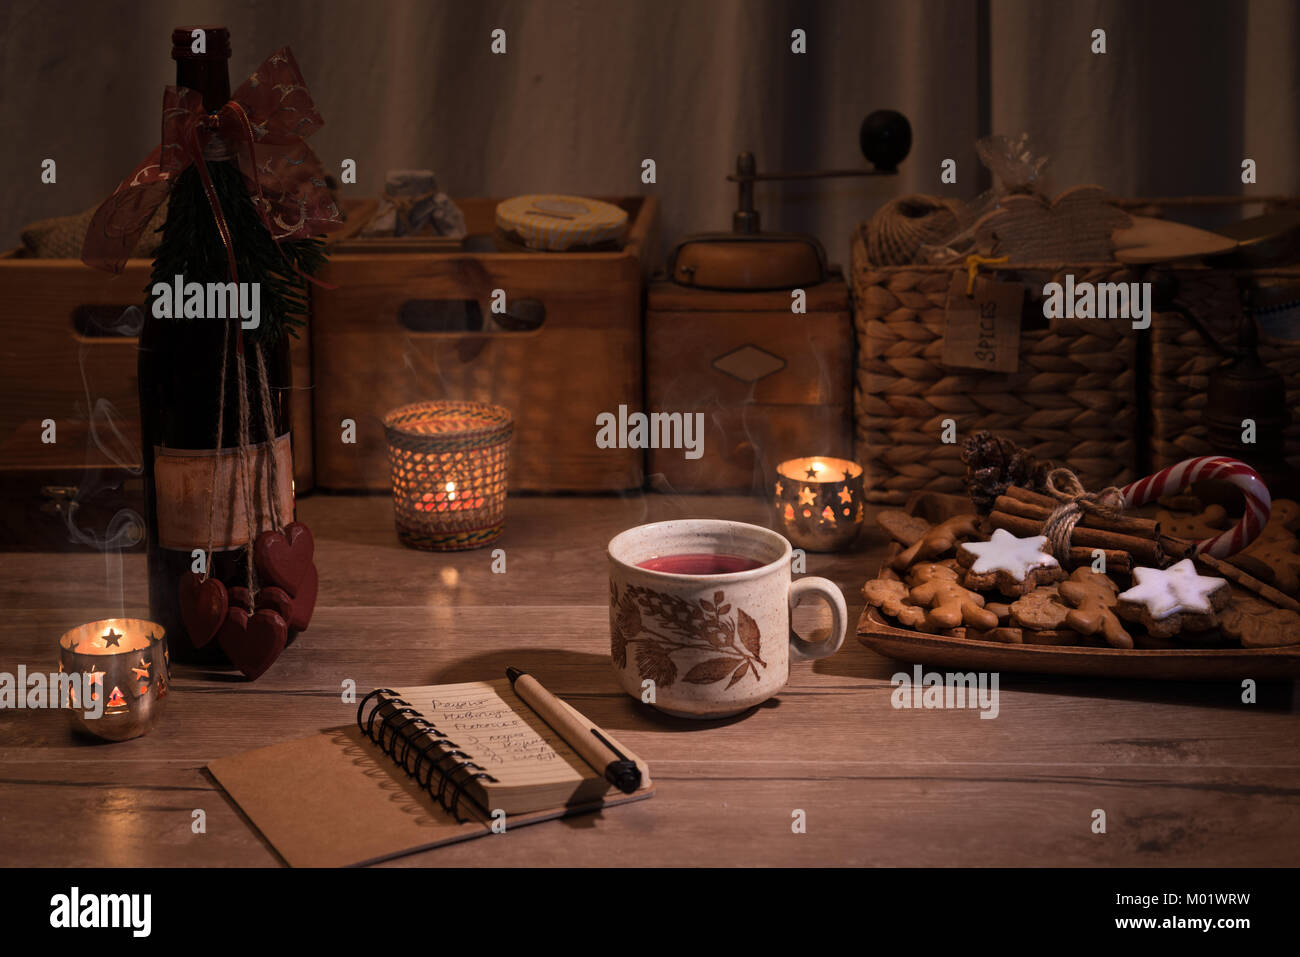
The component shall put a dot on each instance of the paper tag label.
(982, 331)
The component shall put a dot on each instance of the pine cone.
(994, 464)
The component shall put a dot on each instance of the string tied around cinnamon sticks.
(1076, 501)
(1087, 522)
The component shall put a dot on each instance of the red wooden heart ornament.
(282, 558)
(239, 597)
(252, 643)
(304, 602)
(203, 607)
(277, 600)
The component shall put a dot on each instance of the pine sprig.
(191, 247)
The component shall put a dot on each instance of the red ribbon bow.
(266, 121)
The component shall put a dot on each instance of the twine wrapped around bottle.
(449, 463)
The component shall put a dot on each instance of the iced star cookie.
(1015, 566)
(1168, 601)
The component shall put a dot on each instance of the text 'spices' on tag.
(982, 331)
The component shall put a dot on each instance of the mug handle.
(829, 592)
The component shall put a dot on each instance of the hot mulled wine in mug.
(699, 563)
(699, 615)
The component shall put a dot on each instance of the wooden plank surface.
(1185, 772)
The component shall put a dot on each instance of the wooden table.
(1186, 773)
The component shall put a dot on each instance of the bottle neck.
(211, 78)
(207, 73)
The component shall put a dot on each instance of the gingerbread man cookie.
(1039, 610)
(890, 597)
(938, 541)
(1168, 601)
(922, 572)
(1257, 624)
(1092, 598)
(1015, 566)
(951, 605)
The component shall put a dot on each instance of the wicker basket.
(1181, 362)
(449, 462)
(1180, 373)
(1073, 399)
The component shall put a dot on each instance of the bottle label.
(189, 515)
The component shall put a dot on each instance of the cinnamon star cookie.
(1015, 566)
(1170, 600)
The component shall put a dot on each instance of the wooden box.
(67, 495)
(410, 327)
(63, 356)
(771, 384)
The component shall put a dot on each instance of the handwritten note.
(500, 733)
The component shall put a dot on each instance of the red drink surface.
(700, 563)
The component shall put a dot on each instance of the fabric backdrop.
(589, 88)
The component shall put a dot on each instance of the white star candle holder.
(123, 665)
(819, 502)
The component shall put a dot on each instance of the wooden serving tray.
(1159, 664)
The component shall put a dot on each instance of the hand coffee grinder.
(748, 258)
(724, 339)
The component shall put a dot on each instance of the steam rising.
(126, 528)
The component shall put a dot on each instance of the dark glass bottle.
(179, 364)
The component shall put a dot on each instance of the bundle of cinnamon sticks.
(1125, 540)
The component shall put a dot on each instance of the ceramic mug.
(714, 641)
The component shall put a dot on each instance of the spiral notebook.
(422, 767)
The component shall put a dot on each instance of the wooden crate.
(373, 352)
(60, 360)
(771, 384)
(66, 496)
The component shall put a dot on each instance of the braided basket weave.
(449, 462)
(1180, 360)
(1181, 364)
(1073, 399)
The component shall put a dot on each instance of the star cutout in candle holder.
(111, 639)
(806, 496)
(846, 496)
(812, 472)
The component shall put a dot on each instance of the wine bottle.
(188, 468)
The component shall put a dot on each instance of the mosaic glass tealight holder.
(125, 674)
(819, 502)
(449, 462)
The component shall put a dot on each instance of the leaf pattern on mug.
(662, 625)
(625, 626)
(748, 629)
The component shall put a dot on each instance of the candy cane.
(1178, 478)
